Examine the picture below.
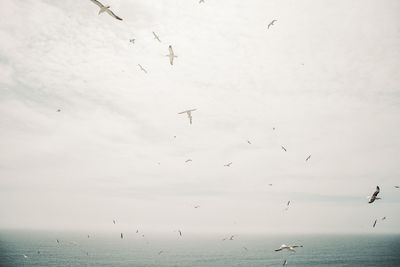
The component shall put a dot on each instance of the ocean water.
(75, 249)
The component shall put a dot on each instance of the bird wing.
(171, 52)
(171, 59)
(112, 14)
(190, 117)
(98, 3)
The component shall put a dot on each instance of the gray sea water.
(76, 249)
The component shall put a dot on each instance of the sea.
(137, 249)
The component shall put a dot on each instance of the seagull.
(249, 142)
(308, 157)
(397, 186)
(160, 252)
(137, 231)
(58, 241)
(196, 207)
(271, 23)
(245, 248)
(273, 128)
(290, 248)
(156, 37)
(384, 218)
(106, 9)
(88, 236)
(132, 41)
(38, 252)
(283, 148)
(122, 235)
(201, 1)
(374, 195)
(270, 184)
(114, 221)
(374, 224)
(189, 113)
(143, 69)
(171, 55)
(180, 233)
(228, 165)
(58, 110)
(188, 160)
(24, 256)
(284, 263)
(287, 205)
(231, 238)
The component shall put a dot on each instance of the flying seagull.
(397, 186)
(201, 1)
(171, 55)
(284, 262)
(374, 195)
(287, 205)
(271, 23)
(231, 238)
(122, 235)
(156, 37)
(132, 41)
(249, 142)
(270, 184)
(188, 160)
(374, 224)
(283, 148)
(180, 233)
(58, 110)
(24, 256)
(189, 113)
(228, 165)
(58, 241)
(105, 9)
(143, 69)
(290, 248)
(384, 218)
(196, 207)
(114, 221)
(160, 252)
(245, 248)
(308, 157)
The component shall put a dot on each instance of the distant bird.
(122, 235)
(58, 110)
(156, 37)
(196, 207)
(384, 218)
(132, 41)
(38, 252)
(287, 205)
(88, 236)
(143, 69)
(284, 263)
(374, 195)
(58, 241)
(201, 1)
(271, 23)
(105, 9)
(114, 221)
(270, 184)
(397, 186)
(273, 128)
(25, 256)
(188, 160)
(160, 252)
(228, 165)
(249, 142)
(137, 231)
(290, 248)
(189, 113)
(283, 148)
(231, 238)
(374, 224)
(180, 233)
(245, 248)
(308, 158)
(171, 55)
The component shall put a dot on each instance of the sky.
(325, 76)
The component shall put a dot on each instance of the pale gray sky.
(326, 76)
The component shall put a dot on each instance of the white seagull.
(284, 262)
(171, 55)
(25, 256)
(143, 69)
(188, 160)
(189, 113)
(156, 37)
(132, 41)
(290, 248)
(374, 195)
(105, 9)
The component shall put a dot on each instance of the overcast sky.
(325, 76)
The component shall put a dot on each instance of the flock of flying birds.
(188, 112)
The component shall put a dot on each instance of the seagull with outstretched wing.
(171, 55)
(105, 9)
(284, 148)
(156, 37)
(308, 157)
(228, 165)
(271, 23)
(143, 69)
(290, 248)
(374, 195)
(373, 226)
(189, 113)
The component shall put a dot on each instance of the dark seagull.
(374, 223)
(308, 157)
(374, 195)
(283, 148)
(271, 23)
